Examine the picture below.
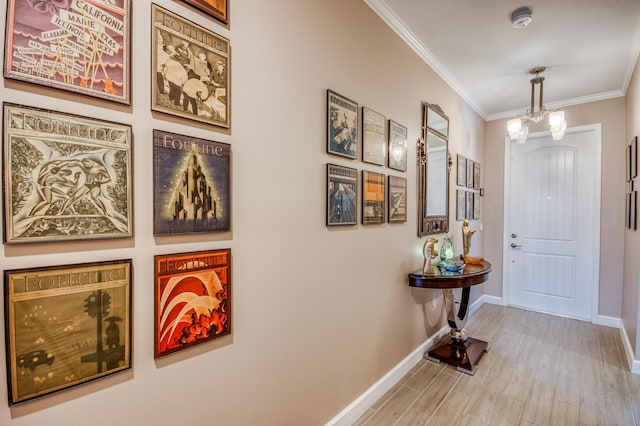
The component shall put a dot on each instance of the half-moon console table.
(456, 348)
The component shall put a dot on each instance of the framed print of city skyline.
(192, 186)
(342, 125)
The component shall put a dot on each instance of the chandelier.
(557, 124)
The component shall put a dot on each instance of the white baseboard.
(608, 321)
(634, 364)
(354, 410)
(494, 300)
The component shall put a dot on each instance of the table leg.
(456, 348)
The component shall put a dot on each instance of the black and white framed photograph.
(469, 182)
(342, 125)
(397, 146)
(374, 137)
(397, 199)
(469, 205)
(476, 206)
(342, 195)
(461, 204)
(461, 176)
(476, 175)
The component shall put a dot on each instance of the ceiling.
(588, 46)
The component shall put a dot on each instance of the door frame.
(596, 129)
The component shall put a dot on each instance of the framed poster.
(633, 210)
(191, 69)
(192, 299)
(342, 125)
(476, 175)
(219, 9)
(66, 325)
(397, 146)
(77, 45)
(461, 204)
(373, 196)
(628, 157)
(67, 177)
(191, 191)
(342, 195)
(634, 158)
(468, 205)
(476, 205)
(469, 183)
(374, 135)
(397, 199)
(461, 175)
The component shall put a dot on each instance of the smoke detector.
(521, 17)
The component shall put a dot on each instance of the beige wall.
(632, 238)
(611, 113)
(319, 314)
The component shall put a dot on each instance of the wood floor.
(540, 370)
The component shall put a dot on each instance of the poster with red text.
(192, 299)
(76, 45)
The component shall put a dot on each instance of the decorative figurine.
(446, 251)
(430, 253)
(467, 233)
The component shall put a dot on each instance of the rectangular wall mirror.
(433, 172)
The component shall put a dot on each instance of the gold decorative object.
(467, 233)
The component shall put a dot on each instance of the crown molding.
(560, 104)
(400, 28)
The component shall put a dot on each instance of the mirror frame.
(428, 225)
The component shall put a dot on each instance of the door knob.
(514, 245)
(513, 235)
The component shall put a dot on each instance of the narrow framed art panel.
(397, 146)
(342, 125)
(192, 190)
(461, 175)
(219, 9)
(79, 46)
(468, 205)
(192, 299)
(67, 177)
(634, 158)
(190, 77)
(374, 134)
(342, 195)
(628, 168)
(476, 206)
(397, 199)
(373, 197)
(469, 183)
(476, 175)
(66, 325)
(461, 204)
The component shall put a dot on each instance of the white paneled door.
(552, 209)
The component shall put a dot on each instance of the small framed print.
(461, 205)
(374, 133)
(469, 205)
(67, 177)
(634, 158)
(476, 205)
(476, 175)
(342, 195)
(342, 125)
(190, 75)
(628, 152)
(191, 191)
(469, 183)
(633, 211)
(79, 46)
(461, 175)
(373, 196)
(66, 325)
(192, 299)
(397, 199)
(219, 9)
(397, 146)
